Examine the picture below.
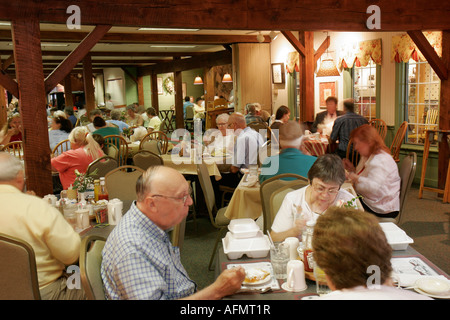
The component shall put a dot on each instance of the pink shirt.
(67, 162)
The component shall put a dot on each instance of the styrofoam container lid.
(395, 236)
(243, 227)
(255, 247)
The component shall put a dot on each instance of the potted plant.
(82, 183)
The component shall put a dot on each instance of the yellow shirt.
(31, 219)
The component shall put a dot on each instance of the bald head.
(237, 119)
(158, 179)
(290, 134)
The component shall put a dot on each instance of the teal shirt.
(290, 160)
(108, 131)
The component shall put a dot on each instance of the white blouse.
(379, 182)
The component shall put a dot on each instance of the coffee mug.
(295, 277)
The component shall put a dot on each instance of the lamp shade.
(227, 78)
(327, 69)
(198, 80)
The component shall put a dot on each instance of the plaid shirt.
(139, 262)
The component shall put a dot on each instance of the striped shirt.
(343, 126)
(140, 263)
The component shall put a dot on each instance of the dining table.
(187, 165)
(315, 144)
(409, 263)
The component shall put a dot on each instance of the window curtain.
(359, 54)
(403, 48)
(293, 62)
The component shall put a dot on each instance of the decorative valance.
(360, 54)
(403, 48)
(293, 62)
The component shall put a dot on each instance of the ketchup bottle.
(308, 259)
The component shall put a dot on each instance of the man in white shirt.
(247, 145)
(31, 219)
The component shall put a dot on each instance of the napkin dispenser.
(115, 208)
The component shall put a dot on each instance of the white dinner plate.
(257, 283)
(444, 296)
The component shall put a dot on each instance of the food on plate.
(256, 275)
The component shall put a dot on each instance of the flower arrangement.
(168, 85)
(128, 132)
(352, 203)
(83, 181)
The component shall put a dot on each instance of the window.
(422, 100)
(364, 90)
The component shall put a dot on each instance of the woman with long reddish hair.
(376, 177)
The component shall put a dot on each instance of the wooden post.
(444, 117)
(208, 85)
(307, 77)
(68, 91)
(32, 102)
(140, 84)
(3, 107)
(88, 84)
(154, 88)
(179, 99)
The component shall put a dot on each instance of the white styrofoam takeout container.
(396, 237)
(256, 247)
(243, 228)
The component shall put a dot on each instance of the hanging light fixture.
(227, 78)
(327, 67)
(198, 80)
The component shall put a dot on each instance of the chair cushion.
(221, 220)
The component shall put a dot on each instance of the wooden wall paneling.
(255, 77)
(32, 102)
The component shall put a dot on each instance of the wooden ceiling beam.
(429, 53)
(321, 50)
(206, 60)
(75, 56)
(294, 42)
(64, 53)
(7, 82)
(310, 15)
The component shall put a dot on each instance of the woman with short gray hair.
(326, 177)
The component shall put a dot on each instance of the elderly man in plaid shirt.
(139, 262)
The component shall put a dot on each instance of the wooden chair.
(144, 159)
(381, 127)
(268, 188)
(18, 272)
(220, 103)
(121, 184)
(160, 145)
(398, 140)
(61, 147)
(216, 216)
(352, 155)
(430, 124)
(407, 172)
(189, 120)
(258, 125)
(103, 165)
(15, 148)
(90, 263)
(122, 146)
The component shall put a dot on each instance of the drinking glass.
(279, 257)
(321, 281)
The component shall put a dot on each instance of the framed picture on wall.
(277, 73)
(326, 89)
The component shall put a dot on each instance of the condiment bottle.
(103, 194)
(96, 189)
(307, 251)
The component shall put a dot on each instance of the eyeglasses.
(183, 198)
(322, 189)
(222, 124)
